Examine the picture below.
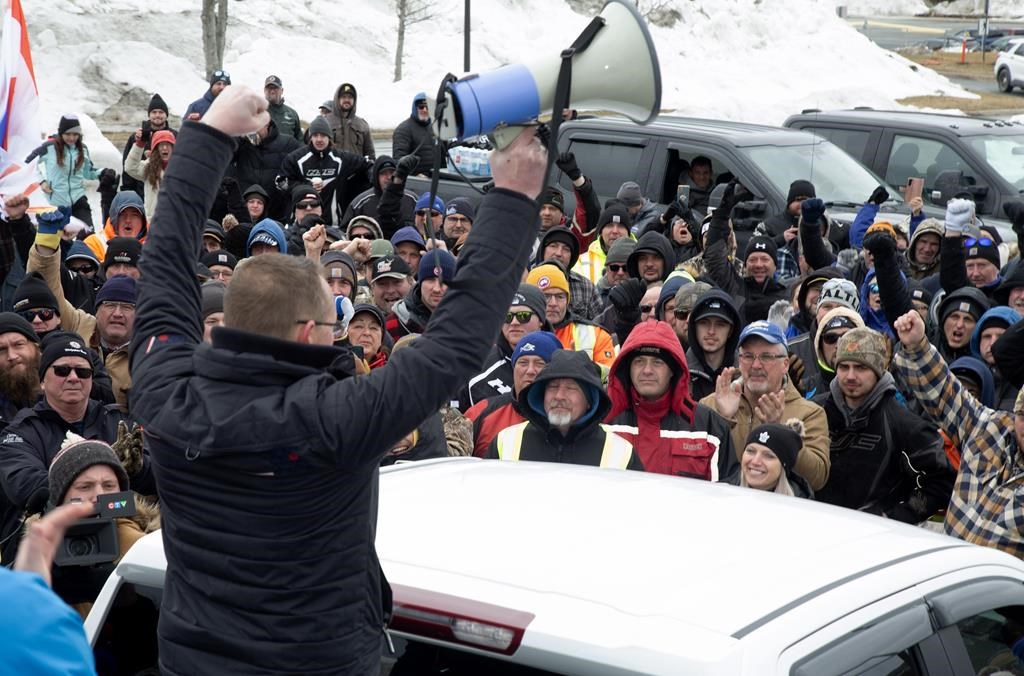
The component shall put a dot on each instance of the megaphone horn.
(614, 68)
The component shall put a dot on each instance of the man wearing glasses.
(968, 260)
(34, 437)
(764, 394)
(415, 136)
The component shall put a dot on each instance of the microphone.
(37, 503)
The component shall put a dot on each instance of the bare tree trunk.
(400, 7)
(409, 13)
(215, 23)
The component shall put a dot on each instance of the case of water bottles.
(471, 161)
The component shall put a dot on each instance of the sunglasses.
(522, 316)
(646, 308)
(364, 235)
(307, 205)
(978, 241)
(421, 106)
(82, 269)
(616, 267)
(45, 314)
(428, 212)
(221, 74)
(831, 338)
(63, 371)
(873, 288)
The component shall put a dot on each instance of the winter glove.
(880, 244)
(959, 215)
(406, 166)
(797, 372)
(880, 196)
(674, 209)
(626, 297)
(567, 163)
(128, 447)
(779, 314)
(48, 227)
(812, 210)
(720, 217)
(1015, 212)
(108, 179)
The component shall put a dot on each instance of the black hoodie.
(702, 376)
(652, 242)
(391, 208)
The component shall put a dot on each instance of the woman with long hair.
(65, 165)
(151, 169)
(769, 457)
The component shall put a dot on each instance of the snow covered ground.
(736, 59)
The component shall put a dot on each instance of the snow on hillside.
(736, 59)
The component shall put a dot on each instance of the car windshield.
(836, 176)
(1005, 154)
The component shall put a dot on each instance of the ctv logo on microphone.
(120, 504)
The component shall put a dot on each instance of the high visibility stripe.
(624, 429)
(510, 442)
(584, 338)
(696, 436)
(616, 452)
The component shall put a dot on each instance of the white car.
(501, 567)
(1009, 66)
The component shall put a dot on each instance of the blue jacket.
(65, 182)
(873, 319)
(866, 216)
(267, 460)
(42, 635)
(200, 105)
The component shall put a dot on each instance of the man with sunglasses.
(425, 209)
(764, 394)
(414, 135)
(967, 259)
(35, 436)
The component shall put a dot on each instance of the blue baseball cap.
(765, 331)
(424, 203)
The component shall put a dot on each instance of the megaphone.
(614, 67)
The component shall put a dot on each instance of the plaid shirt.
(584, 302)
(786, 265)
(987, 506)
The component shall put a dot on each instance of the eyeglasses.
(63, 371)
(978, 241)
(44, 314)
(560, 297)
(616, 267)
(307, 205)
(428, 212)
(114, 306)
(522, 316)
(303, 321)
(831, 338)
(222, 274)
(646, 308)
(765, 358)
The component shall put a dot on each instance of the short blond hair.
(271, 293)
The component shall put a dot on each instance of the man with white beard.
(564, 407)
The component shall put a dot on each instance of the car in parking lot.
(983, 157)
(1009, 66)
(533, 568)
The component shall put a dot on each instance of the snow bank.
(782, 56)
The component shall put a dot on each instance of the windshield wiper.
(841, 203)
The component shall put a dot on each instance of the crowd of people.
(880, 374)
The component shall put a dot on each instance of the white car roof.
(714, 556)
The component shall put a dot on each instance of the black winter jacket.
(885, 459)
(393, 207)
(261, 164)
(267, 462)
(415, 137)
(702, 376)
(304, 164)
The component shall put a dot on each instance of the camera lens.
(81, 546)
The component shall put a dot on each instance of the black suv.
(983, 157)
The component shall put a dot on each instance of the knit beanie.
(437, 263)
(619, 251)
(220, 76)
(630, 194)
(800, 188)
(162, 136)
(320, 125)
(157, 103)
(919, 292)
(409, 233)
(548, 276)
(212, 297)
(69, 124)
(761, 244)
(117, 289)
(881, 226)
(782, 440)
(15, 323)
(33, 293)
(74, 457)
(686, 297)
(424, 203)
(61, 344)
(841, 291)
(864, 346)
(123, 250)
(553, 196)
(462, 207)
(989, 252)
(541, 344)
(219, 257)
(528, 295)
(615, 213)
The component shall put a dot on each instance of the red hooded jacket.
(673, 434)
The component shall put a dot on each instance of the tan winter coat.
(813, 462)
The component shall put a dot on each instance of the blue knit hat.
(424, 203)
(537, 344)
(119, 289)
(408, 234)
(437, 263)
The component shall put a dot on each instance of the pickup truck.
(611, 150)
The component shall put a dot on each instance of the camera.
(93, 540)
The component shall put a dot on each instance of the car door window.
(607, 164)
(926, 158)
(853, 141)
(994, 639)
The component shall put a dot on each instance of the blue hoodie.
(1003, 314)
(981, 372)
(874, 319)
(272, 228)
(422, 96)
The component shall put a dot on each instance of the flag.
(20, 131)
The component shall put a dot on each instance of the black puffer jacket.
(262, 163)
(267, 462)
(414, 135)
(393, 207)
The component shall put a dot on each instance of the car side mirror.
(747, 215)
(947, 184)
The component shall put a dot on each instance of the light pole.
(465, 40)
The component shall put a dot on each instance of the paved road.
(900, 31)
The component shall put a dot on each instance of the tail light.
(458, 620)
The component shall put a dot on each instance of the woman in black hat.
(768, 459)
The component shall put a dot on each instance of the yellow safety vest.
(615, 454)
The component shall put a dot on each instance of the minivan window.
(606, 163)
(913, 156)
(1005, 154)
(836, 176)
